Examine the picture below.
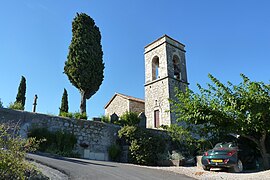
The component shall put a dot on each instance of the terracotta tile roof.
(125, 97)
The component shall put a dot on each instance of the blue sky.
(224, 38)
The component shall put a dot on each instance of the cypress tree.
(64, 102)
(84, 66)
(20, 98)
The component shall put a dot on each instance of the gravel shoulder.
(199, 173)
(50, 172)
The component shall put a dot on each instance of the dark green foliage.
(114, 152)
(21, 93)
(84, 66)
(76, 115)
(183, 140)
(144, 144)
(64, 103)
(1, 104)
(226, 108)
(129, 118)
(59, 142)
(16, 105)
(105, 119)
(66, 114)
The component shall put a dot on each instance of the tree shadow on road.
(78, 161)
(85, 162)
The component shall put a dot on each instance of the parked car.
(223, 155)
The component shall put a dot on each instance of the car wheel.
(238, 167)
(206, 168)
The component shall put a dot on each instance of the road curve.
(102, 170)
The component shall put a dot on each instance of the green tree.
(183, 140)
(64, 103)
(84, 66)
(129, 118)
(226, 108)
(144, 146)
(1, 104)
(20, 98)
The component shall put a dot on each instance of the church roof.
(125, 97)
(164, 36)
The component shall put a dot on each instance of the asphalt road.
(101, 170)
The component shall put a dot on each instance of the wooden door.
(156, 118)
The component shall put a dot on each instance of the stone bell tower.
(165, 69)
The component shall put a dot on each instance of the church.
(165, 70)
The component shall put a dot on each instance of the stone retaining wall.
(97, 135)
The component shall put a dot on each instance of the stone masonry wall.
(159, 52)
(118, 106)
(135, 106)
(176, 83)
(156, 98)
(97, 135)
(180, 53)
(157, 92)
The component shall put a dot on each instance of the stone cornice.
(166, 37)
(160, 79)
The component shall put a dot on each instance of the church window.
(156, 118)
(155, 68)
(176, 67)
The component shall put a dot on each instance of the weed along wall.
(93, 137)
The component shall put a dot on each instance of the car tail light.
(226, 161)
(206, 154)
(231, 153)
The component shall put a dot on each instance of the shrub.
(144, 144)
(114, 152)
(105, 119)
(12, 154)
(78, 115)
(129, 118)
(66, 114)
(16, 105)
(59, 142)
(164, 156)
(183, 140)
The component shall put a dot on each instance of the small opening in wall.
(176, 67)
(155, 68)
